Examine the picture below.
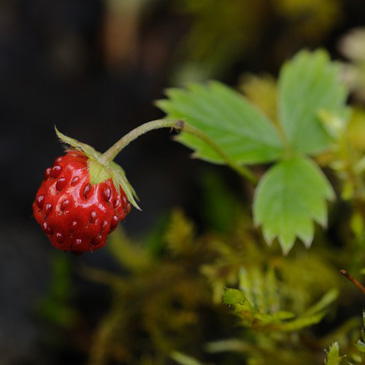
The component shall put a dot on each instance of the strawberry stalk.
(85, 193)
(113, 151)
(179, 126)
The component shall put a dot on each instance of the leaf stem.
(241, 170)
(178, 125)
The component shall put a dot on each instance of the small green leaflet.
(233, 123)
(309, 84)
(288, 198)
(333, 355)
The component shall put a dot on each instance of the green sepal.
(79, 146)
(100, 171)
(120, 179)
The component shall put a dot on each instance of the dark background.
(94, 68)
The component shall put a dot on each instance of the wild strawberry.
(85, 194)
(81, 199)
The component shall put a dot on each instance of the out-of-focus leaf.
(127, 253)
(356, 129)
(238, 301)
(261, 91)
(55, 306)
(310, 19)
(289, 197)
(309, 84)
(180, 234)
(219, 205)
(232, 122)
(154, 240)
(333, 355)
(183, 359)
(325, 301)
(219, 34)
(256, 311)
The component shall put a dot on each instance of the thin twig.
(353, 280)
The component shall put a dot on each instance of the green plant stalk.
(113, 151)
(179, 126)
(241, 170)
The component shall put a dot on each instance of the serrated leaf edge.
(287, 245)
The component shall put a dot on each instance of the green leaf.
(180, 234)
(301, 322)
(219, 205)
(323, 303)
(231, 121)
(308, 85)
(313, 314)
(289, 197)
(333, 355)
(360, 346)
(234, 297)
(129, 254)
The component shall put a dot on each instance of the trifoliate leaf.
(307, 85)
(231, 121)
(289, 197)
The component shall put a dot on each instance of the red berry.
(76, 215)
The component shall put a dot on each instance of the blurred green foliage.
(351, 46)
(56, 306)
(219, 293)
(333, 356)
(355, 354)
(217, 297)
(224, 32)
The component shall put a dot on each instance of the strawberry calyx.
(101, 170)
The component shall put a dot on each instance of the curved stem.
(179, 126)
(241, 170)
(113, 151)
